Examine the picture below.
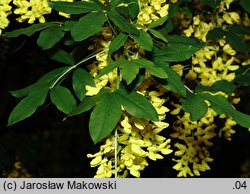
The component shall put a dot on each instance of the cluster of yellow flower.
(216, 61)
(136, 139)
(29, 10)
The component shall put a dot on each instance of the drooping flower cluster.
(136, 139)
(216, 61)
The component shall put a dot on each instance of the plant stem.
(115, 142)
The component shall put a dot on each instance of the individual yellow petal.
(166, 151)
(96, 161)
(91, 91)
(135, 173)
(136, 149)
(151, 155)
(177, 166)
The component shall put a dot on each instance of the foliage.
(138, 67)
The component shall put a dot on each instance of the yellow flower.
(31, 10)
(229, 50)
(231, 17)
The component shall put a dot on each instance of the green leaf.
(62, 56)
(41, 83)
(53, 75)
(86, 104)
(81, 78)
(211, 3)
(218, 86)
(49, 37)
(129, 72)
(128, 8)
(158, 35)
(216, 34)
(242, 76)
(117, 42)
(151, 67)
(111, 67)
(29, 30)
(88, 26)
(29, 89)
(173, 82)
(221, 105)
(114, 3)
(28, 105)
(104, 117)
(178, 49)
(245, 4)
(68, 25)
(195, 105)
(135, 83)
(142, 63)
(238, 30)
(137, 105)
(187, 11)
(144, 40)
(158, 22)
(62, 98)
(133, 8)
(237, 43)
(78, 7)
(122, 23)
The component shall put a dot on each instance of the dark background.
(50, 147)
